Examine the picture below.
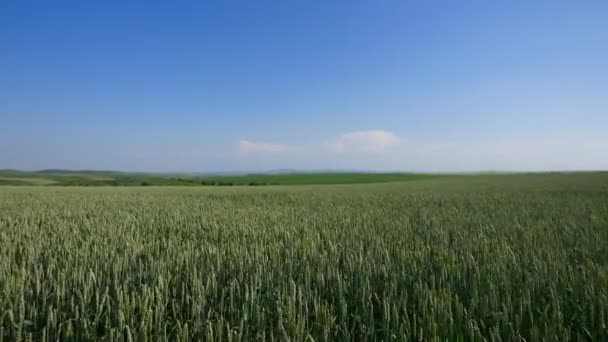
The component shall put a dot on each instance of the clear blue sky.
(256, 85)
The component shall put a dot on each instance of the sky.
(209, 86)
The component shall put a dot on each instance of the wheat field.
(478, 258)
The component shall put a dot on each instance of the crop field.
(112, 178)
(471, 258)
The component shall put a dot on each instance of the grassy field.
(109, 178)
(316, 178)
(26, 181)
(496, 258)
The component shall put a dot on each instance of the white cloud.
(256, 147)
(352, 143)
(383, 150)
(374, 141)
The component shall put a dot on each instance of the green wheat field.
(465, 258)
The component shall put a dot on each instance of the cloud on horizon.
(368, 142)
(358, 142)
(383, 151)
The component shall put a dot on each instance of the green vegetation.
(25, 181)
(314, 178)
(496, 258)
(109, 178)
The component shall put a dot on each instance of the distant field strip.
(137, 179)
(26, 181)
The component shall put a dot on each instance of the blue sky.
(257, 85)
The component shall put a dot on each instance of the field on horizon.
(472, 258)
(111, 178)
